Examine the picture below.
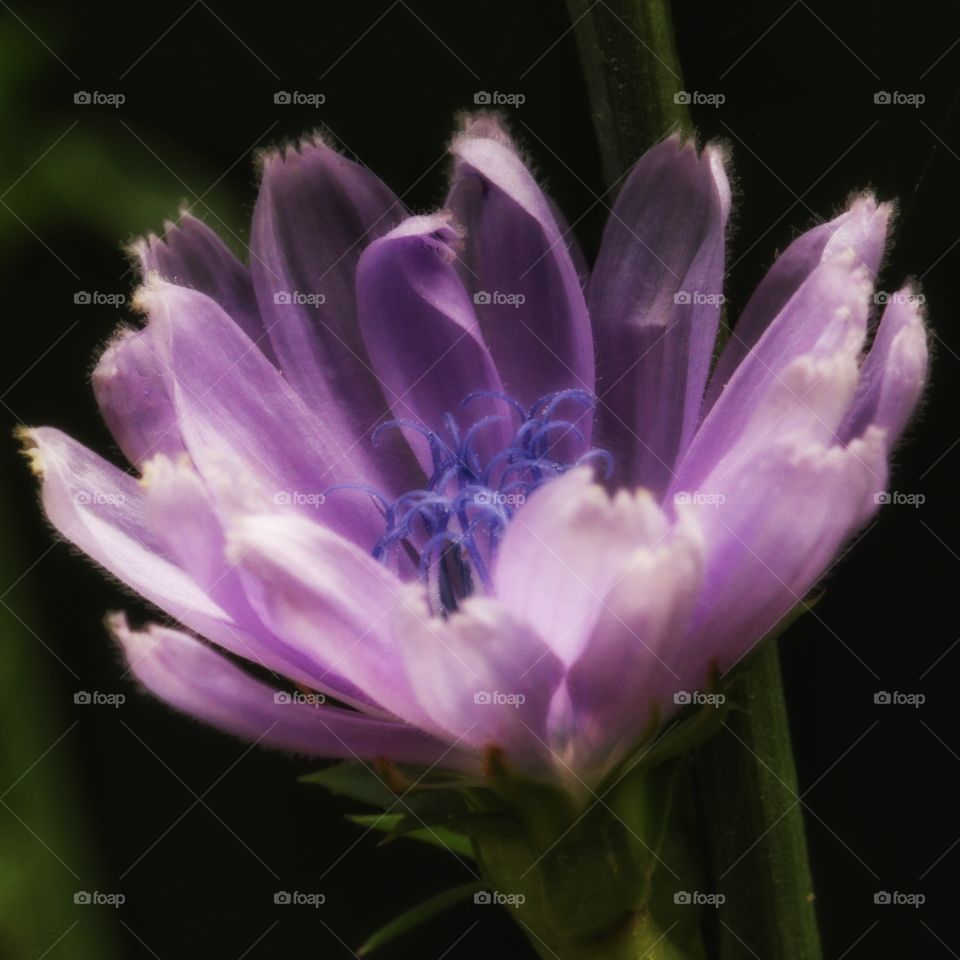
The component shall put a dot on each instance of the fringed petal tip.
(894, 373)
(865, 226)
(146, 296)
(288, 151)
(865, 203)
(138, 249)
(483, 125)
(105, 365)
(30, 448)
(718, 153)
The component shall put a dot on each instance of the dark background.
(196, 830)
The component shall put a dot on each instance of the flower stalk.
(760, 859)
(632, 72)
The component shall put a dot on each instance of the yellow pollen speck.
(30, 450)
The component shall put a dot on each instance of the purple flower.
(379, 464)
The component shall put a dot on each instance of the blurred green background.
(195, 830)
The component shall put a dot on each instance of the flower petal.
(100, 509)
(484, 678)
(159, 542)
(421, 332)
(237, 413)
(622, 685)
(192, 255)
(192, 677)
(517, 267)
(822, 325)
(182, 515)
(895, 372)
(329, 601)
(185, 518)
(861, 228)
(134, 390)
(785, 514)
(564, 550)
(655, 298)
(315, 213)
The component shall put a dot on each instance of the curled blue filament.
(451, 527)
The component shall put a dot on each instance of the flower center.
(450, 529)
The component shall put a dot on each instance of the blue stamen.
(452, 527)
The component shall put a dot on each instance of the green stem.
(632, 73)
(746, 776)
(754, 823)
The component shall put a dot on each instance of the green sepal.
(383, 783)
(685, 734)
(397, 825)
(357, 781)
